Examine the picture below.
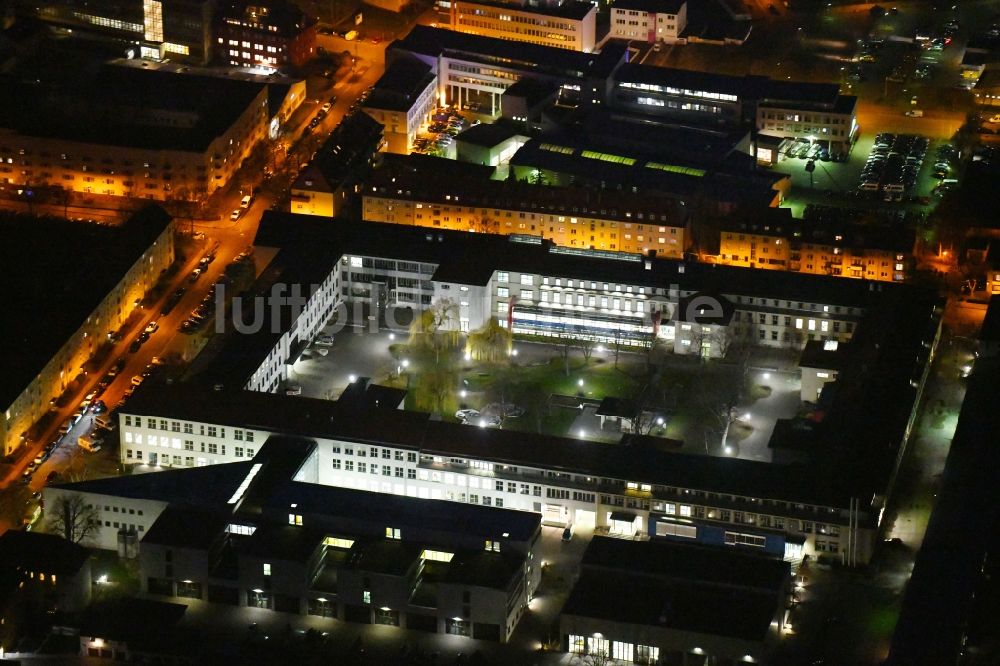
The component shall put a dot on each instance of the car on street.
(246, 201)
(152, 327)
(195, 274)
(326, 107)
(236, 214)
(39, 459)
(135, 346)
(137, 380)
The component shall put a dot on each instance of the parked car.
(236, 214)
(246, 201)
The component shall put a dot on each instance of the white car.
(236, 214)
(321, 351)
(326, 107)
(152, 327)
(465, 415)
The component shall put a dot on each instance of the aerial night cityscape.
(500, 332)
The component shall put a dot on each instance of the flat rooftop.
(50, 288)
(686, 587)
(346, 506)
(522, 56)
(150, 109)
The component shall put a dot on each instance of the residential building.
(269, 536)
(650, 21)
(657, 602)
(474, 71)
(564, 24)
(269, 34)
(131, 131)
(402, 101)
(58, 320)
(571, 217)
(333, 177)
(153, 29)
(848, 250)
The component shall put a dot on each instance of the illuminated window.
(267, 569)
(152, 20)
(294, 519)
(392, 533)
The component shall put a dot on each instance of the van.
(246, 201)
(88, 443)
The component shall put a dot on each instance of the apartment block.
(569, 217)
(133, 132)
(843, 250)
(57, 321)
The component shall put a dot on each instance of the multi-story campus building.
(650, 21)
(264, 532)
(135, 132)
(634, 487)
(787, 109)
(264, 33)
(571, 217)
(57, 320)
(846, 250)
(473, 71)
(566, 24)
(177, 29)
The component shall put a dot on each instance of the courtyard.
(556, 387)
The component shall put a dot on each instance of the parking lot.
(439, 136)
(837, 183)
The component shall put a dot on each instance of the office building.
(268, 535)
(650, 21)
(402, 101)
(58, 320)
(571, 217)
(563, 24)
(473, 71)
(268, 34)
(153, 29)
(131, 131)
(788, 109)
(657, 602)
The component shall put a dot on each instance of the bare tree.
(565, 347)
(587, 349)
(617, 344)
(724, 338)
(599, 658)
(72, 518)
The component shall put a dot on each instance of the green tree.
(491, 343)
